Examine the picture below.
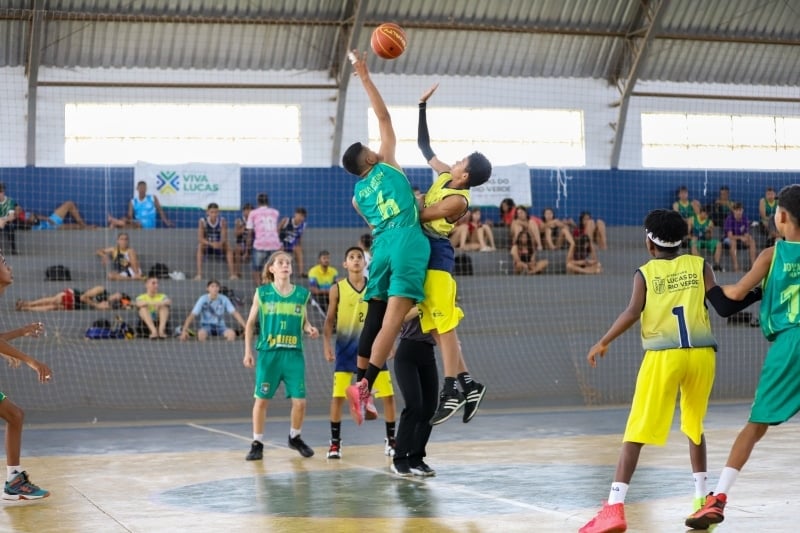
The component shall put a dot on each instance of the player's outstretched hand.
(359, 62)
(594, 351)
(428, 93)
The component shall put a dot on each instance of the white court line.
(445, 485)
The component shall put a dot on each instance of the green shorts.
(778, 392)
(399, 261)
(706, 244)
(276, 366)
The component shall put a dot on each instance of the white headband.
(659, 242)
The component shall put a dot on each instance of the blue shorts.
(214, 330)
(259, 258)
(51, 222)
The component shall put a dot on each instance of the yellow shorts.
(663, 373)
(439, 310)
(382, 388)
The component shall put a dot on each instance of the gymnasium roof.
(747, 42)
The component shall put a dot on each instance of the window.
(682, 140)
(121, 134)
(538, 137)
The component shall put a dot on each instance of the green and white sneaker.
(21, 488)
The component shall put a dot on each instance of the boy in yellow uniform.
(446, 201)
(346, 312)
(669, 294)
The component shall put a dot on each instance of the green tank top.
(699, 228)
(386, 200)
(281, 318)
(686, 210)
(780, 302)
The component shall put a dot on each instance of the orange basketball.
(388, 40)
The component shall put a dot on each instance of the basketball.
(388, 41)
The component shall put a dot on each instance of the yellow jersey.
(675, 313)
(441, 227)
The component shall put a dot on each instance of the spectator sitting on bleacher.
(291, 234)
(686, 208)
(321, 278)
(8, 215)
(471, 234)
(123, 259)
(523, 255)
(524, 222)
(262, 229)
(211, 308)
(737, 235)
(582, 257)
(722, 206)
(766, 212)
(74, 299)
(142, 211)
(594, 229)
(153, 309)
(554, 232)
(242, 252)
(701, 228)
(212, 239)
(57, 219)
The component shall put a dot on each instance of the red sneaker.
(711, 513)
(610, 519)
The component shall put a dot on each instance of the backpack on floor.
(159, 270)
(57, 273)
(463, 265)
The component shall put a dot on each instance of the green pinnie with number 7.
(669, 294)
(400, 251)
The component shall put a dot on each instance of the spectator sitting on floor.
(153, 309)
(57, 219)
(73, 300)
(211, 308)
(123, 259)
(212, 239)
(142, 211)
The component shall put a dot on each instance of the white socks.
(617, 493)
(293, 433)
(726, 479)
(12, 471)
(259, 437)
(700, 479)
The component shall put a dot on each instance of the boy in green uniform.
(777, 398)
(280, 309)
(400, 251)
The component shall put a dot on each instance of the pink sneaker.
(610, 519)
(357, 396)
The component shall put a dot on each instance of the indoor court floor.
(511, 469)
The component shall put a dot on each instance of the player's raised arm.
(423, 138)
(388, 138)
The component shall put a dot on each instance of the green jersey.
(385, 199)
(780, 302)
(281, 318)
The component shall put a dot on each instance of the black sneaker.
(422, 470)
(401, 469)
(298, 444)
(474, 399)
(256, 451)
(449, 404)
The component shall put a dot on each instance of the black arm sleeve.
(725, 306)
(423, 139)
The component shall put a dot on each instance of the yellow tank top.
(350, 311)
(441, 227)
(675, 313)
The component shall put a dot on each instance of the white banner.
(192, 184)
(512, 181)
